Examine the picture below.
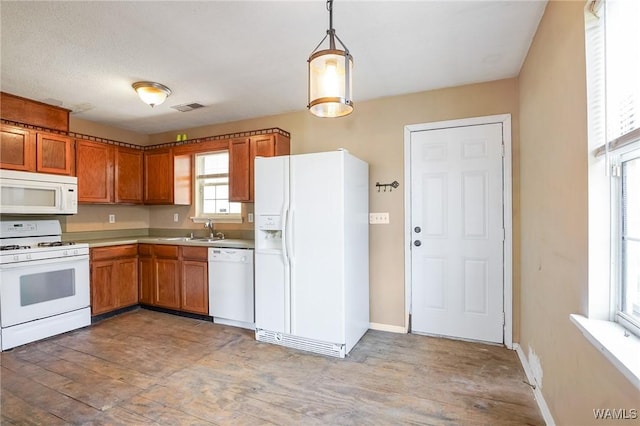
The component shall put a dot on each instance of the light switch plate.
(379, 218)
(176, 217)
(112, 218)
(250, 217)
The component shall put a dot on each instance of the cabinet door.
(195, 287)
(126, 282)
(94, 167)
(53, 153)
(103, 293)
(146, 280)
(239, 175)
(17, 149)
(167, 283)
(128, 175)
(158, 177)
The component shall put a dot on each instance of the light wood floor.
(147, 367)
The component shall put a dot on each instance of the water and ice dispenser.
(269, 234)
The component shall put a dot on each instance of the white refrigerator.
(312, 251)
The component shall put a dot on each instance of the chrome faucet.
(209, 225)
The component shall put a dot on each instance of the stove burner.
(13, 247)
(56, 244)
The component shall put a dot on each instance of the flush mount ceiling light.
(151, 93)
(330, 76)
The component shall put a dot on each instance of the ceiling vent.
(187, 107)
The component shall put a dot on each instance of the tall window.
(613, 56)
(629, 240)
(212, 182)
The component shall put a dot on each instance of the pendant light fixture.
(151, 93)
(330, 76)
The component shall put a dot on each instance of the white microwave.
(37, 193)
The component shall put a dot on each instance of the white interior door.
(457, 232)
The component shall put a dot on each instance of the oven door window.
(47, 286)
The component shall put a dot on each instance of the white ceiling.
(245, 59)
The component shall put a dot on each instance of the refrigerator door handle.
(285, 232)
(289, 239)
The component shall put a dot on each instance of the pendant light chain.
(331, 31)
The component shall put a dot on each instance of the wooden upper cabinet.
(31, 151)
(17, 149)
(108, 173)
(94, 168)
(28, 111)
(128, 175)
(167, 177)
(54, 153)
(242, 153)
(263, 146)
(158, 176)
(239, 173)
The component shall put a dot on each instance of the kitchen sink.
(215, 242)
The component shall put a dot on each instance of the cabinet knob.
(417, 243)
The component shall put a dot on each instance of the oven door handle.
(31, 262)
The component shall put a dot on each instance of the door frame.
(507, 211)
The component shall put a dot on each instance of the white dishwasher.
(231, 287)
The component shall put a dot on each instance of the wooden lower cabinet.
(167, 283)
(146, 279)
(174, 277)
(114, 278)
(195, 279)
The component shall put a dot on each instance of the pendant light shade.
(330, 72)
(151, 93)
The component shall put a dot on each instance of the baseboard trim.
(537, 393)
(388, 327)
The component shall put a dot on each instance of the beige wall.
(554, 223)
(85, 127)
(96, 218)
(374, 132)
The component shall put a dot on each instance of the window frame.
(628, 153)
(199, 192)
(610, 152)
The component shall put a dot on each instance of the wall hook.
(391, 186)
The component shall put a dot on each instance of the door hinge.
(502, 150)
(503, 319)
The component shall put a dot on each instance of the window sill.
(217, 219)
(610, 339)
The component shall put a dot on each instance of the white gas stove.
(44, 282)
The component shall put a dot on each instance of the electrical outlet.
(176, 217)
(250, 217)
(112, 218)
(378, 218)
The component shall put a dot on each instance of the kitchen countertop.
(175, 241)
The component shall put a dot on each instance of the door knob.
(417, 229)
(417, 243)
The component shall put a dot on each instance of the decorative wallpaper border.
(249, 133)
